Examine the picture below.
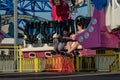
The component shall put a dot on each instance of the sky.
(80, 11)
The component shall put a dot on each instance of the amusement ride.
(35, 33)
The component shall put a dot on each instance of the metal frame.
(25, 6)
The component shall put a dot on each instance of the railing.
(58, 64)
(9, 61)
(115, 66)
(85, 63)
(13, 60)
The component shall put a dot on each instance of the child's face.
(79, 27)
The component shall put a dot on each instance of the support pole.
(15, 35)
(15, 23)
(89, 8)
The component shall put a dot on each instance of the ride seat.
(31, 32)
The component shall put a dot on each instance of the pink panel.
(88, 52)
(96, 35)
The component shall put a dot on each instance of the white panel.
(113, 15)
(108, 16)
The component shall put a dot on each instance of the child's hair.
(81, 22)
(71, 33)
